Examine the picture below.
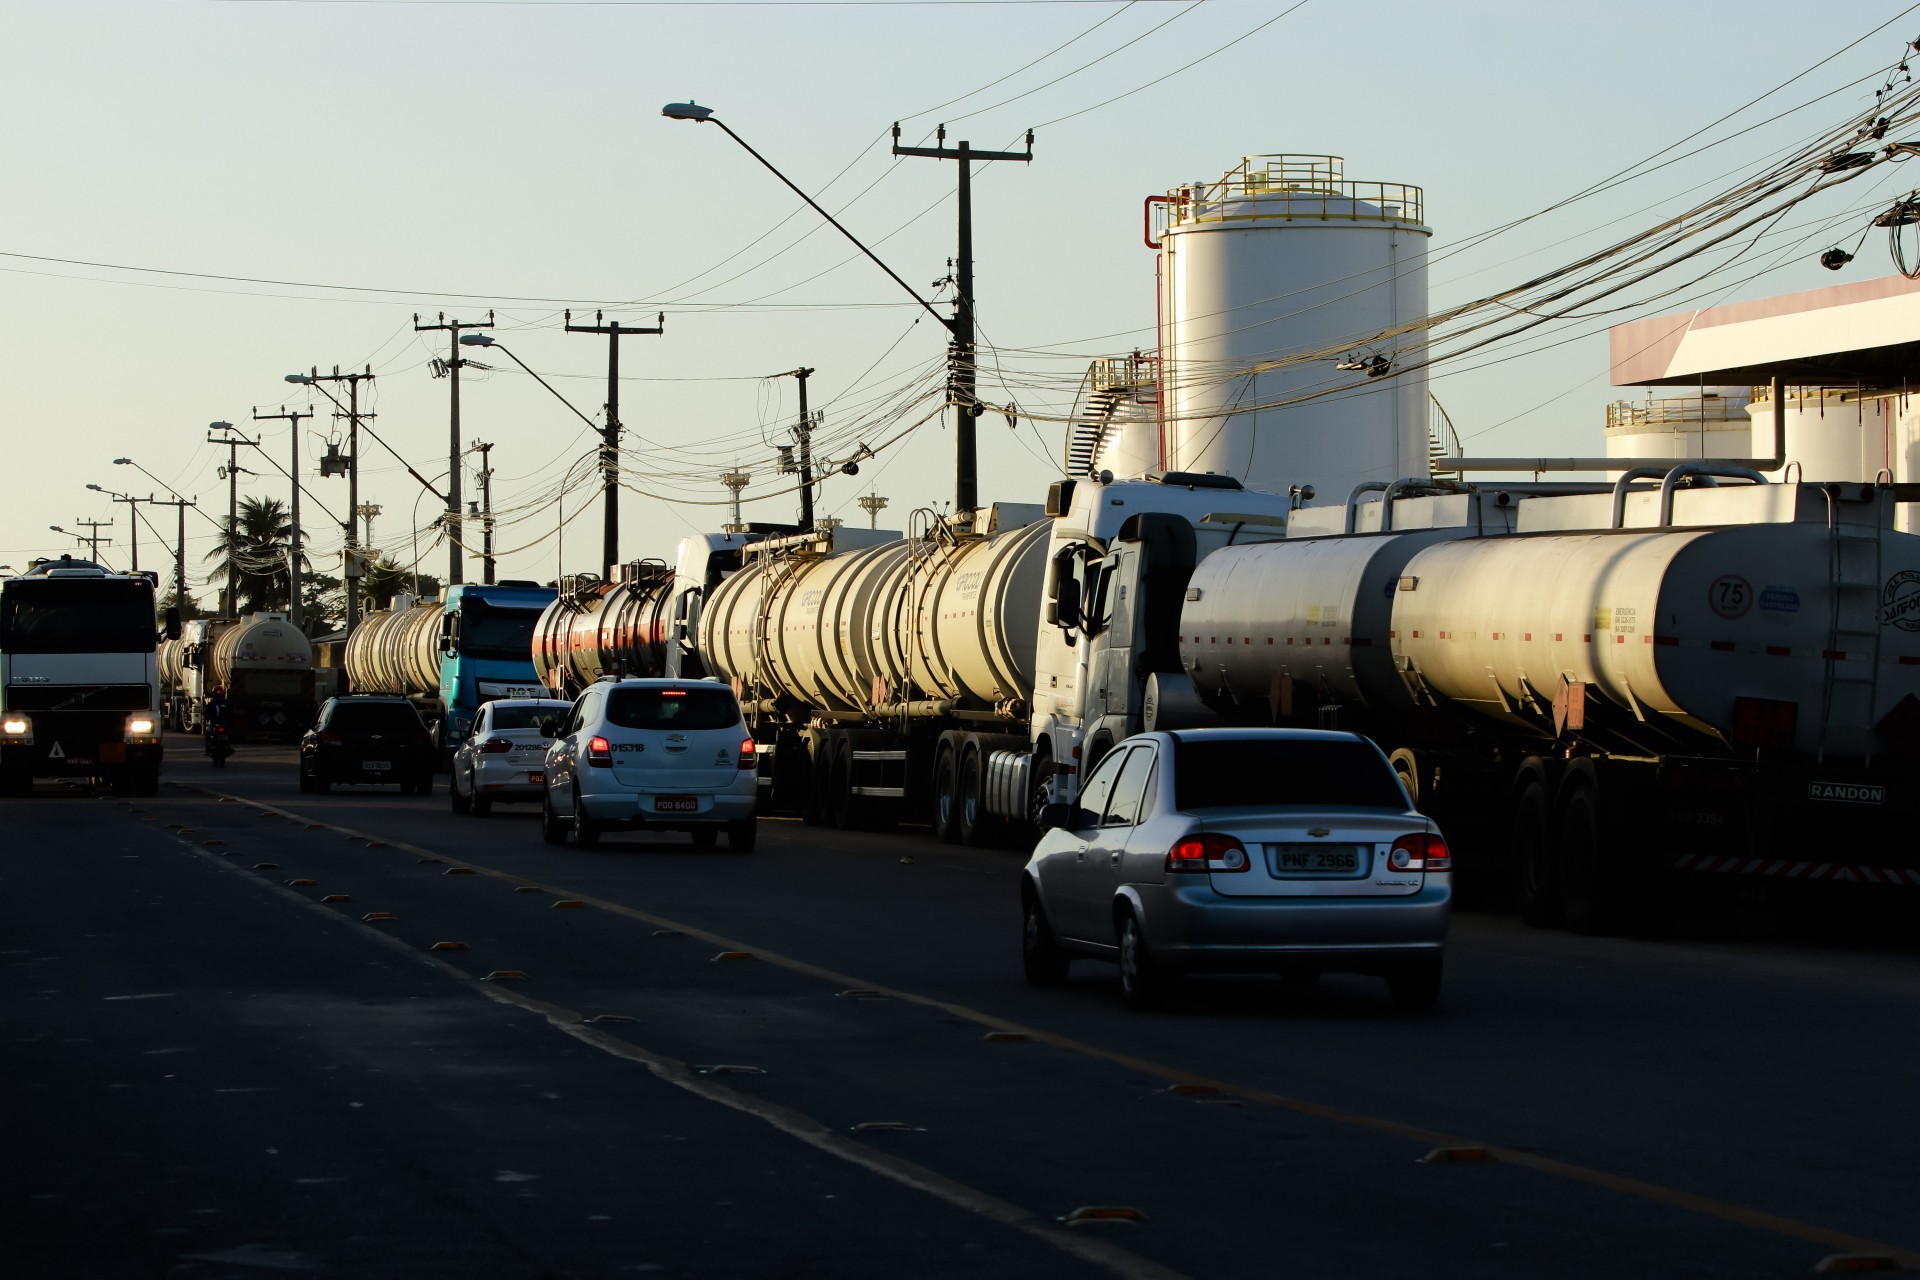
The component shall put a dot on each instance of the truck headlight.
(140, 727)
(16, 726)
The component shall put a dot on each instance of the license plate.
(675, 804)
(374, 766)
(536, 778)
(113, 753)
(1295, 860)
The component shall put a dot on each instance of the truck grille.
(48, 697)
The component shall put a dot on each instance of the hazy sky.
(513, 156)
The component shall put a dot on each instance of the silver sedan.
(1286, 851)
(504, 758)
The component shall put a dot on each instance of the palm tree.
(256, 550)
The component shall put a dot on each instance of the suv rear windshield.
(526, 717)
(374, 717)
(700, 708)
(1220, 773)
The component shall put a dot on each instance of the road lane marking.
(786, 1120)
(1673, 1197)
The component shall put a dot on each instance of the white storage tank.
(1283, 256)
(1711, 423)
(1832, 433)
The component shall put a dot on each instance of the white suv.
(671, 755)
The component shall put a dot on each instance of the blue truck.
(452, 654)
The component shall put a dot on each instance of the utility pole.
(456, 573)
(610, 446)
(233, 442)
(180, 506)
(133, 522)
(485, 451)
(960, 354)
(803, 433)
(292, 417)
(92, 536)
(349, 567)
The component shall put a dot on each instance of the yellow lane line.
(1707, 1206)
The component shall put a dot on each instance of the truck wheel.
(946, 796)
(1407, 766)
(1587, 900)
(976, 824)
(1530, 860)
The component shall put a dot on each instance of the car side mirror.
(1055, 817)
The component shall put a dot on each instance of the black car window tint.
(1093, 798)
(1218, 773)
(1123, 807)
(708, 707)
(375, 718)
(505, 718)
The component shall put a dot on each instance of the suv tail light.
(1422, 852)
(1208, 851)
(332, 739)
(748, 754)
(600, 752)
(496, 746)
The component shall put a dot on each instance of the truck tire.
(976, 824)
(1589, 881)
(946, 795)
(1530, 858)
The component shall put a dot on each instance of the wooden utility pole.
(803, 434)
(292, 417)
(485, 450)
(961, 382)
(233, 441)
(456, 571)
(610, 433)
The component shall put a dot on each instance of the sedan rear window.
(696, 708)
(527, 717)
(1220, 773)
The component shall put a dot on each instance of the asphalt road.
(211, 1071)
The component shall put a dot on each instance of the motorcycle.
(218, 745)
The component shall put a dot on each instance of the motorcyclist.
(215, 720)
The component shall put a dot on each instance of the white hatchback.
(633, 755)
(505, 757)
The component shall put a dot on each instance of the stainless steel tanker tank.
(397, 651)
(1675, 625)
(918, 621)
(598, 628)
(264, 642)
(171, 658)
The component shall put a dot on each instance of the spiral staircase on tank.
(1114, 393)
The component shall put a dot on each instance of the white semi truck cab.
(79, 684)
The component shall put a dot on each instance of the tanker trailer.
(1721, 680)
(266, 666)
(170, 659)
(959, 672)
(398, 651)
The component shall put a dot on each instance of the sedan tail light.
(600, 752)
(1209, 851)
(496, 746)
(748, 754)
(1421, 852)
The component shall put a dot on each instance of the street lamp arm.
(543, 382)
(382, 443)
(945, 322)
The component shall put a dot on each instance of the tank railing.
(1414, 487)
(1624, 485)
(1295, 187)
(1353, 499)
(1691, 471)
(1677, 410)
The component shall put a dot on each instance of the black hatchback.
(367, 738)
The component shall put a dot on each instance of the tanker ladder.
(1850, 691)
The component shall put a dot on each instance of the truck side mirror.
(1064, 611)
(173, 622)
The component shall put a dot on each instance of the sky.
(347, 165)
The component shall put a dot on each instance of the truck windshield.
(504, 634)
(1218, 773)
(113, 615)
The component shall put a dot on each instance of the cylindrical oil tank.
(796, 625)
(1316, 611)
(964, 621)
(397, 651)
(586, 634)
(1712, 423)
(1286, 257)
(171, 659)
(1678, 623)
(1832, 434)
(264, 642)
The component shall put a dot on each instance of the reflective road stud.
(303, 884)
(734, 955)
(568, 902)
(504, 975)
(266, 866)
(1844, 1263)
(378, 915)
(1113, 1215)
(1457, 1155)
(336, 897)
(449, 946)
(457, 871)
(1006, 1037)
